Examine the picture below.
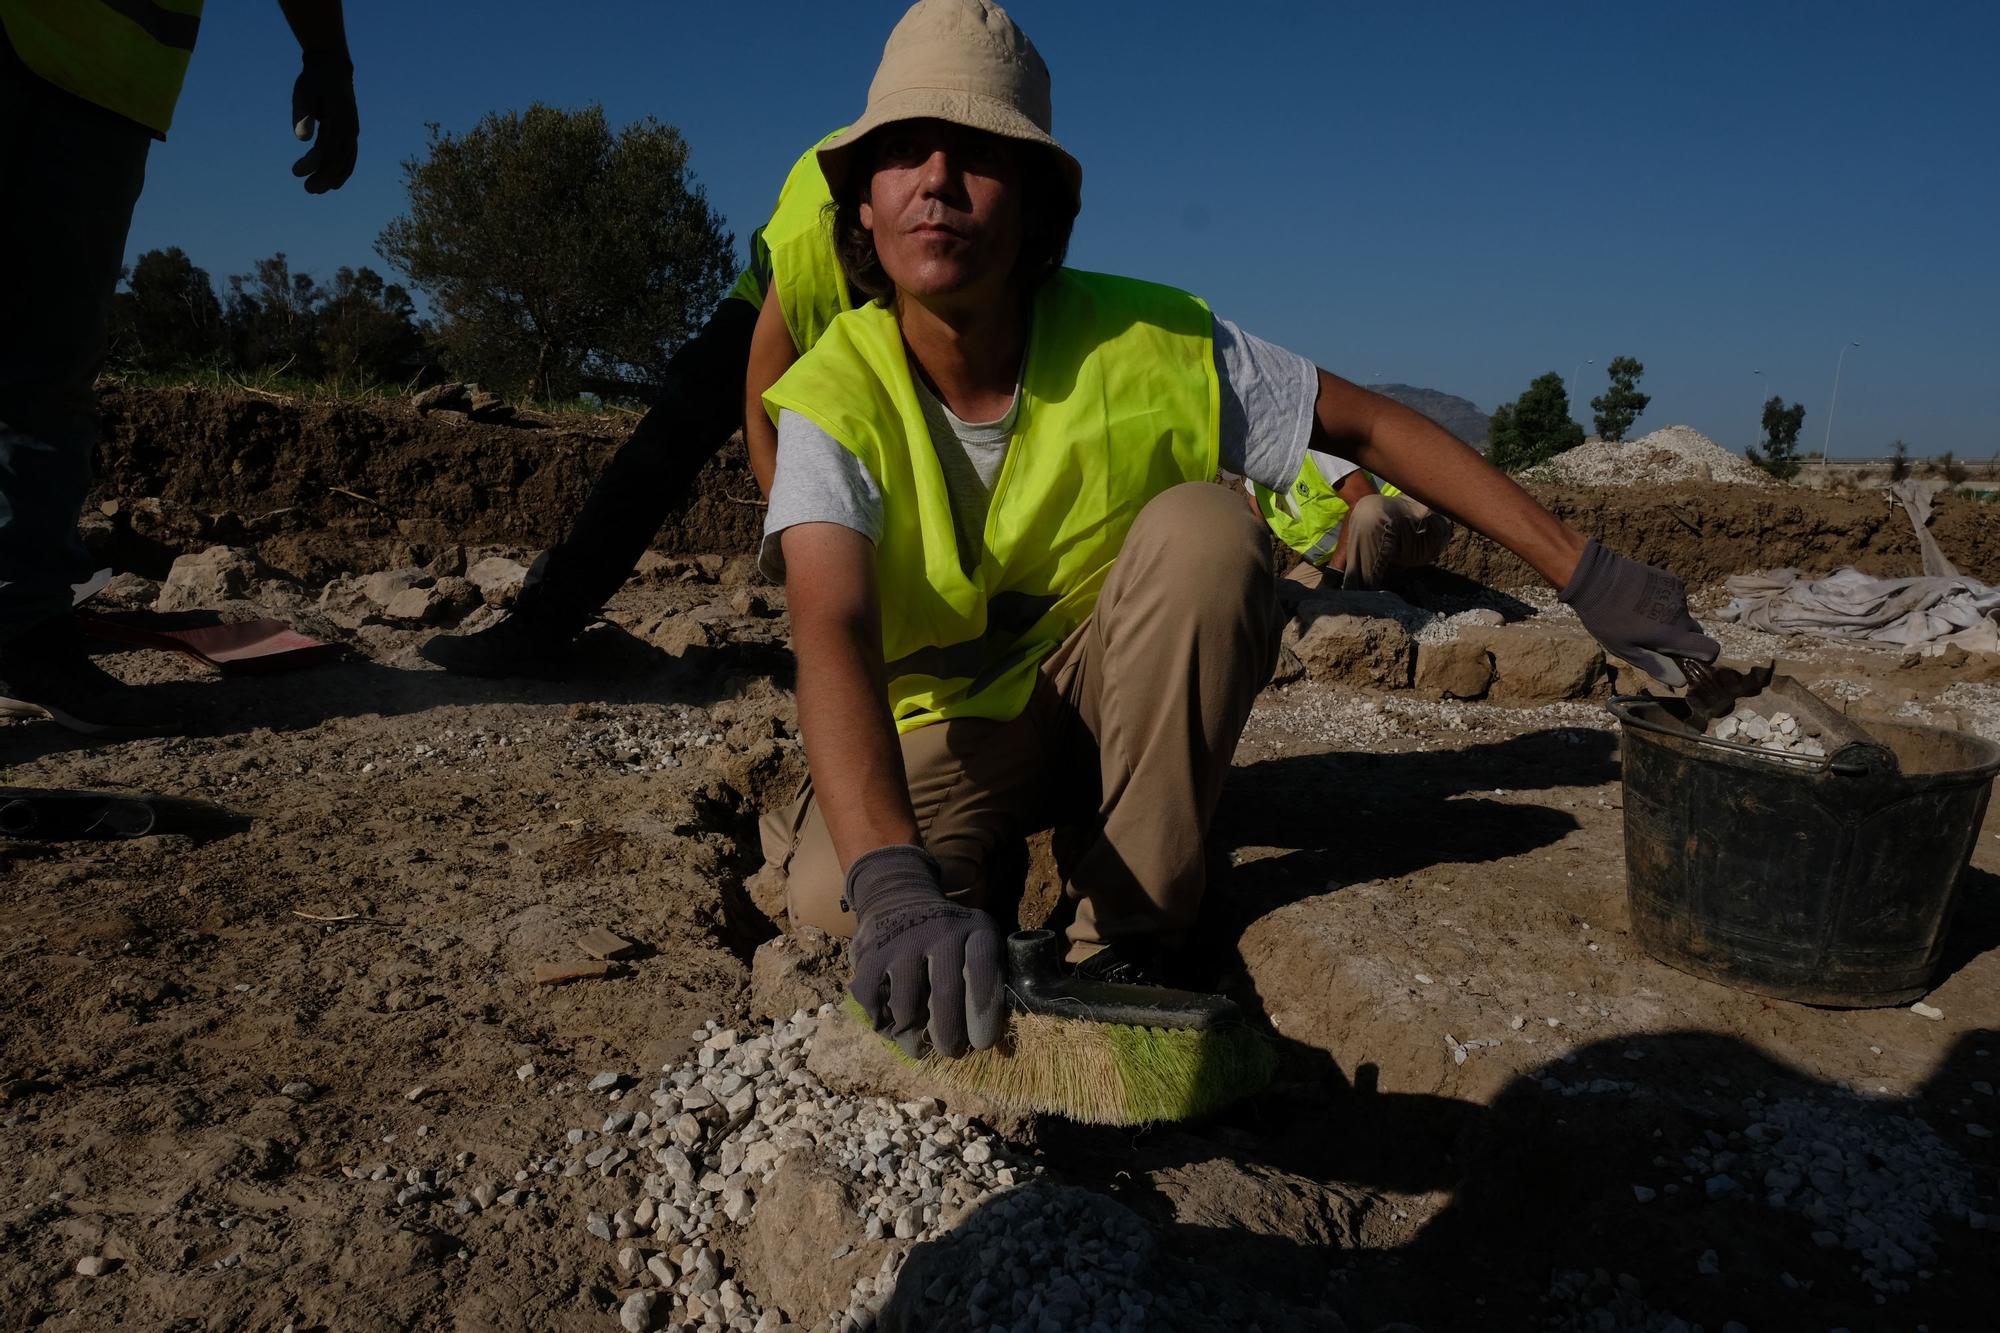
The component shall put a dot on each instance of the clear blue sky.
(1455, 195)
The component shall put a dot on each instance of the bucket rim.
(1623, 706)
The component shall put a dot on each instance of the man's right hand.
(922, 963)
(323, 113)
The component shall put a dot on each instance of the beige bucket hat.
(962, 61)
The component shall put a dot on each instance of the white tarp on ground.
(1939, 607)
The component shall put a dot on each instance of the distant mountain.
(1458, 415)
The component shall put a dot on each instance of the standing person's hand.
(922, 963)
(1637, 612)
(323, 103)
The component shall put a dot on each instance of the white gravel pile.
(1055, 1258)
(1873, 1182)
(1673, 453)
(1598, 1303)
(1780, 733)
(709, 1134)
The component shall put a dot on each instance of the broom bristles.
(1104, 1073)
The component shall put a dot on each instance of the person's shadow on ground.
(1664, 1175)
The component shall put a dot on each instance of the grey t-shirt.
(1267, 403)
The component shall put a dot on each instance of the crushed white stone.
(1673, 453)
(714, 1132)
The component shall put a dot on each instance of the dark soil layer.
(290, 476)
(322, 488)
(1706, 533)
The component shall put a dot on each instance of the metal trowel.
(1713, 691)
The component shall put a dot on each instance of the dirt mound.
(1705, 533)
(338, 487)
(322, 489)
(1671, 454)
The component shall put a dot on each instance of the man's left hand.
(1638, 613)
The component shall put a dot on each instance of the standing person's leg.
(1391, 533)
(700, 406)
(70, 174)
(1162, 676)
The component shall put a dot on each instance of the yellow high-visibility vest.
(128, 56)
(1307, 516)
(1119, 401)
(793, 255)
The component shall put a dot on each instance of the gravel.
(1051, 1257)
(709, 1133)
(1673, 453)
(1780, 733)
(1875, 1183)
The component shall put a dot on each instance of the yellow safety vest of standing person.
(1308, 516)
(128, 56)
(1118, 402)
(793, 255)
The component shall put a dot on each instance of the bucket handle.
(1827, 763)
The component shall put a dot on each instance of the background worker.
(1016, 599)
(85, 88)
(791, 291)
(1342, 523)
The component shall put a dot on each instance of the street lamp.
(1571, 391)
(1757, 433)
(1826, 445)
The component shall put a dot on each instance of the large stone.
(384, 586)
(210, 578)
(456, 597)
(802, 970)
(1456, 669)
(498, 579)
(1230, 1199)
(1364, 651)
(346, 603)
(420, 605)
(805, 1213)
(452, 397)
(1533, 665)
(1339, 601)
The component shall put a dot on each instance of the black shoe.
(1123, 965)
(515, 646)
(47, 672)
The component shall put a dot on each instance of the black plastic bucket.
(1802, 878)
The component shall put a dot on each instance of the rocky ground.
(288, 1063)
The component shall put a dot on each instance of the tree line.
(555, 257)
(356, 329)
(1537, 426)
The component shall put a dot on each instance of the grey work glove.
(1637, 612)
(922, 963)
(323, 103)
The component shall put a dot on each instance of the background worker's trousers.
(1125, 743)
(1386, 534)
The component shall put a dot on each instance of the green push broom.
(1104, 1053)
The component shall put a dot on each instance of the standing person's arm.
(1637, 612)
(771, 355)
(323, 95)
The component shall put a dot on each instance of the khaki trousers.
(1123, 748)
(1385, 533)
